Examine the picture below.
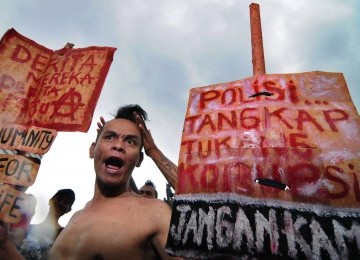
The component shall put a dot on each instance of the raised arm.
(165, 165)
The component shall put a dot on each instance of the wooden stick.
(258, 58)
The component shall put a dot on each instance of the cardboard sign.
(11, 202)
(41, 91)
(269, 166)
(26, 138)
(18, 170)
(51, 89)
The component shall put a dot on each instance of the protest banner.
(18, 170)
(26, 138)
(41, 92)
(51, 89)
(17, 173)
(275, 174)
(269, 168)
(11, 202)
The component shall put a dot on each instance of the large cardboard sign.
(11, 202)
(269, 167)
(26, 138)
(41, 92)
(51, 89)
(18, 170)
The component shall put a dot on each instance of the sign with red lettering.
(51, 89)
(269, 167)
(41, 91)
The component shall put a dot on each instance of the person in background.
(169, 195)
(18, 231)
(116, 223)
(41, 236)
(148, 190)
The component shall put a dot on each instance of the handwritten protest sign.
(41, 92)
(18, 170)
(51, 89)
(11, 202)
(26, 138)
(269, 166)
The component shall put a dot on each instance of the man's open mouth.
(114, 163)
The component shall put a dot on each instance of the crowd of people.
(119, 222)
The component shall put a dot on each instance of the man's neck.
(106, 191)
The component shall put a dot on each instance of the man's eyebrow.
(133, 136)
(111, 132)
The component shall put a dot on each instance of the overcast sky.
(166, 47)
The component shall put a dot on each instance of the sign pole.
(258, 58)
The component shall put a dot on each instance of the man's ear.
(141, 158)
(91, 150)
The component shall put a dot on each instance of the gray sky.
(166, 47)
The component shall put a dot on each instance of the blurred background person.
(169, 195)
(41, 236)
(148, 190)
(18, 231)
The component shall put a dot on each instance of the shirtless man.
(117, 223)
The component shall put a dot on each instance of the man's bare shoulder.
(152, 206)
(75, 215)
(155, 205)
(154, 202)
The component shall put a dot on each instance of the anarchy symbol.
(71, 100)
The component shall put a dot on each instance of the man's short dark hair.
(127, 112)
(65, 194)
(150, 183)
